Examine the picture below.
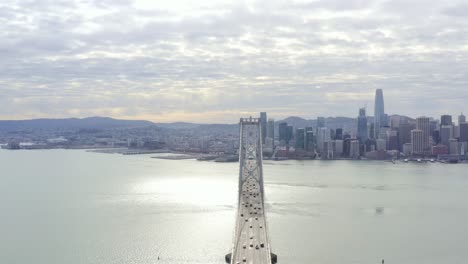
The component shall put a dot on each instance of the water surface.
(72, 206)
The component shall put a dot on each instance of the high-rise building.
(283, 132)
(454, 147)
(362, 126)
(309, 139)
(381, 144)
(379, 113)
(289, 133)
(404, 134)
(300, 138)
(446, 134)
(456, 132)
(464, 132)
(436, 137)
(338, 133)
(354, 149)
(263, 120)
(407, 149)
(393, 143)
(271, 128)
(338, 148)
(423, 124)
(395, 122)
(417, 141)
(461, 119)
(323, 135)
(372, 131)
(446, 120)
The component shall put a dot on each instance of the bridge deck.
(251, 243)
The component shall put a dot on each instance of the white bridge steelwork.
(251, 243)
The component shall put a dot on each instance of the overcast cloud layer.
(214, 61)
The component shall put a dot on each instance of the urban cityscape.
(238, 132)
(378, 137)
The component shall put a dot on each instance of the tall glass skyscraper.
(379, 113)
(362, 126)
(263, 117)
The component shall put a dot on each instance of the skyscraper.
(309, 139)
(404, 134)
(446, 120)
(446, 132)
(461, 119)
(379, 113)
(300, 138)
(338, 133)
(263, 117)
(417, 141)
(323, 135)
(423, 124)
(271, 128)
(354, 149)
(362, 126)
(282, 131)
(464, 132)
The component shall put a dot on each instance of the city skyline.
(198, 60)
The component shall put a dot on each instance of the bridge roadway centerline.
(251, 242)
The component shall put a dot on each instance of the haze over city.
(214, 61)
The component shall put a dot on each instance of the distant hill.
(297, 122)
(71, 123)
(330, 122)
(178, 125)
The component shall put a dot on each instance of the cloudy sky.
(214, 61)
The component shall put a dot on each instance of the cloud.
(165, 59)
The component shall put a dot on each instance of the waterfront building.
(381, 144)
(300, 138)
(453, 147)
(263, 120)
(354, 149)
(338, 148)
(463, 148)
(323, 135)
(327, 152)
(393, 141)
(362, 126)
(379, 113)
(268, 147)
(407, 149)
(423, 124)
(440, 150)
(417, 140)
(446, 134)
